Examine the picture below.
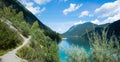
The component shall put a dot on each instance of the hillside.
(9, 38)
(28, 16)
(110, 29)
(42, 46)
(79, 30)
(98, 29)
(113, 29)
(83, 30)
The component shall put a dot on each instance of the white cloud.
(73, 7)
(30, 6)
(96, 21)
(111, 19)
(109, 9)
(84, 13)
(80, 22)
(41, 1)
(110, 12)
(107, 20)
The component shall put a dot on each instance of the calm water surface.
(67, 44)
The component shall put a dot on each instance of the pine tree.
(35, 26)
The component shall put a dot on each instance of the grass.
(0, 60)
(101, 50)
(2, 52)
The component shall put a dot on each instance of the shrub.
(19, 23)
(101, 50)
(40, 48)
(9, 38)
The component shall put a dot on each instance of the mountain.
(98, 29)
(28, 17)
(17, 24)
(111, 29)
(80, 29)
(114, 29)
(83, 30)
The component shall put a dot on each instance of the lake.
(67, 44)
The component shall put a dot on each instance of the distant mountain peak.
(80, 29)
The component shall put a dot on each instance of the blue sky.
(60, 15)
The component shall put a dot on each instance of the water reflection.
(67, 44)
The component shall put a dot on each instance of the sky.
(60, 15)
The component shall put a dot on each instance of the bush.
(17, 19)
(102, 50)
(19, 22)
(8, 38)
(40, 49)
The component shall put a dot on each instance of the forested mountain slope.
(85, 30)
(79, 30)
(42, 46)
(13, 6)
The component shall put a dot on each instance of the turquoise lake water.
(67, 44)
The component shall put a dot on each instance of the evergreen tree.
(9, 12)
(35, 26)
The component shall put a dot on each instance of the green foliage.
(19, 22)
(102, 50)
(8, 38)
(1, 4)
(19, 16)
(13, 11)
(80, 29)
(77, 55)
(0, 60)
(17, 19)
(40, 49)
(9, 12)
(53, 35)
(35, 26)
(25, 29)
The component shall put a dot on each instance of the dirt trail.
(11, 55)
